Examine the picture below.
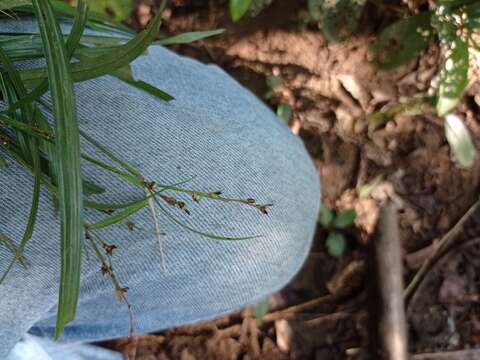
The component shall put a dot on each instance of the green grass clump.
(52, 153)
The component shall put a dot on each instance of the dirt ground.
(332, 88)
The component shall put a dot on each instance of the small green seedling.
(284, 111)
(239, 8)
(260, 310)
(336, 224)
(52, 152)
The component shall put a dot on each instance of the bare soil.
(332, 88)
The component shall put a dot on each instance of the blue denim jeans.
(215, 130)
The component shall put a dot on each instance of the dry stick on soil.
(470, 354)
(441, 247)
(291, 311)
(386, 309)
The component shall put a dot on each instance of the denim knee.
(219, 133)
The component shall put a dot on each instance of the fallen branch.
(386, 308)
(292, 310)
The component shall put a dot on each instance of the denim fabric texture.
(216, 131)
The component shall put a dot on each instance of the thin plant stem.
(440, 248)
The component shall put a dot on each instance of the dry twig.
(292, 310)
(470, 354)
(441, 247)
(387, 314)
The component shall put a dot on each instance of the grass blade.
(148, 88)
(10, 4)
(31, 153)
(72, 43)
(68, 161)
(114, 219)
(10, 245)
(106, 63)
(189, 37)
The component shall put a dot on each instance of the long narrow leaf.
(68, 161)
(114, 219)
(10, 4)
(189, 37)
(72, 43)
(106, 63)
(32, 155)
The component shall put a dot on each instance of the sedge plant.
(51, 150)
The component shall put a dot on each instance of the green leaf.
(10, 245)
(68, 161)
(260, 310)
(189, 37)
(284, 112)
(453, 77)
(315, 9)
(31, 153)
(96, 21)
(92, 67)
(345, 219)
(336, 244)
(326, 217)
(10, 95)
(473, 16)
(132, 179)
(460, 140)
(114, 219)
(90, 188)
(238, 8)
(10, 4)
(257, 6)
(403, 41)
(72, 43)
(121, 9)
(23, 127)
(131, 169)
(142, 85)
(340, 18)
